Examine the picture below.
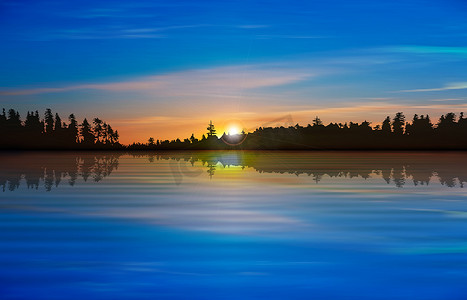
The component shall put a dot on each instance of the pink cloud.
(223, 80)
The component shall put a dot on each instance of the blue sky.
(148, 65)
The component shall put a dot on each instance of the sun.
(233, 127)
(233, 130)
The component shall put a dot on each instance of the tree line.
(51, 132)
(396, 133)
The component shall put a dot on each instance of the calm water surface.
(233, 225)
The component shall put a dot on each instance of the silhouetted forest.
(51, 132)
(448, 133)
(45, 170)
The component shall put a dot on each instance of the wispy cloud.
(106, 13)
(92, 35)
(164, 28)
(418, 49)
(284, 36)
(143, 36)
(380, 108)
(449, 99)
(252, 26)
(452, 86)
(112, 33)
(220, 80)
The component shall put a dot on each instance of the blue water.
(233, 225)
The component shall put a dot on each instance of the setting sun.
(232, 127)
(233, 130)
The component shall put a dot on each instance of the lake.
(233, 225)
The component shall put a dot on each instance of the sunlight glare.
(233, 130)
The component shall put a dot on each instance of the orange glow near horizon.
(183, 126)
(233, 126)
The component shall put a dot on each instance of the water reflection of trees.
(397, 168)
(49, 169)
(52, 169)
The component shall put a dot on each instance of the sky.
(164, 69)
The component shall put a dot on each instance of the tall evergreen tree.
(105, 133)
(386, 126)
(317, 122)
(49, 121)
(86, 133)
(72, 130)
(116, 137)
(398, 123)
(97, 128)
(58, 123)
(110, 134)
(211, 130)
